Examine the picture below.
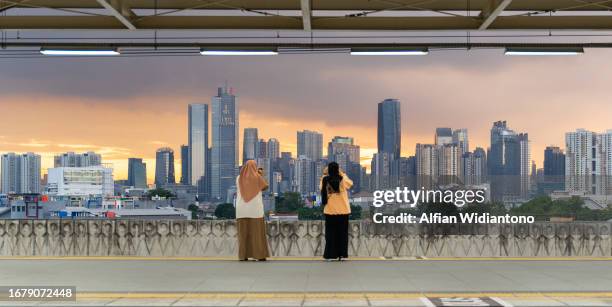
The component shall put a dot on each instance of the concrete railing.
(303, 238)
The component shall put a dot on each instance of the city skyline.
(121, 170)
(120, 121)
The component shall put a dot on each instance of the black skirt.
(336, 236)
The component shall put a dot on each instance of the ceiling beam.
(324, 5)
(286, 46)
(306, 15)
(8, 5)
(117, 14)
(492, 15)
(285, 23)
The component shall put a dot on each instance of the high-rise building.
(266, 165)
(262, 149)
(198, 142)
(80, 181)
(343, 151)
(460, 137)
(403, 172)
(606, 145)
(310, 144)
(249, 144)
(554, 161)
(474, 167)
(10, 173)
(273, 149)
(381, 171)
(304, 176)
(286, 165)
(224, 150)
(525, 165)
(426, 156)
(137, 173)
(71, 159)
(343, 148)
(20, 173)
(443, 136)
(164, 166)
(449, 163)
(389, 127)
(508, 163)
(184, 164)
(30, 173)
(588, 162)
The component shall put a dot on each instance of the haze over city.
(129, 107)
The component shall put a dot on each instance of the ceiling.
(308, 15)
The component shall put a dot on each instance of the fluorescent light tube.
(389, 52)
(544, 51)
(80, 52)
(238, 52)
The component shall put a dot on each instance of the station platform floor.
(119, 281)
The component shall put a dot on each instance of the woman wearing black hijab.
(334, 194)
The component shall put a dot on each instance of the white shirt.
(252, 209)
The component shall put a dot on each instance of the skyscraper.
(71, 159)
(554, 161)
(286, 165)
(262, 149)
(426, 164)
(273, 149)
(389, 127)
(137, 173)
(525, 164)
(224, 152)
(509, 160)
(588, 162)
(10, 173)
(249, 144)
(20, 173)
(164, 166)
(185, 164)
(474, 167)
(198, 142)
(403, 172)
(304, 175)
(310, 144)
(460, 137)
(443, 136)
(381, 171)
(340, 145)
(449, 163)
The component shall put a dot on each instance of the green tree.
(492, 208)
(159, 192)
(355, 212)
(290, 202)
(225, 211)
(314, 213)
(544, 207)
(446, 209)
(194, 211)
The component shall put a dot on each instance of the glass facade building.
(224, 153)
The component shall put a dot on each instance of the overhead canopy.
(307, 14)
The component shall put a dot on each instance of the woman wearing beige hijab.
(252, 241)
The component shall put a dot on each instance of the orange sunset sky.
(129, 107)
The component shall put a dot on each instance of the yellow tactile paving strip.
(339, 295)
(133, 258)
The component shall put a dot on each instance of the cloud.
(76, 146)
(129, 107)
(159, 143)
(33, 143)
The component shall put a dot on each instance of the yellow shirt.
(338, 203)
